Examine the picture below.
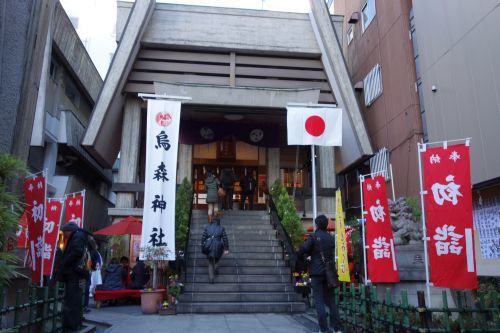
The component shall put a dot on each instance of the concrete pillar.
(184, 163)
(273, 165)
(129, 152)
(327, 178)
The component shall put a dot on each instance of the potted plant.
(174, 289)
(165, 309)
(152, 297)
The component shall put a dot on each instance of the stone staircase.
(252, 278)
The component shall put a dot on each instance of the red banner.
(22, 231)
(51, 230)
(381, 255)
(74, 208)
(34, 194)
(448, 214)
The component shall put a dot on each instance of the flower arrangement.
(174, 287)
(302, 279)
(166, 308)
(154, 255)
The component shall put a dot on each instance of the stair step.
(240, 242)
(236, 228)
(242, 307)
(242, 255)
(238, 287)
(231, 262)
(240, 297)
(241, 270)
(235, 278)
(235, 247)
(196, 238)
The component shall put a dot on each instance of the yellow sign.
(342, 263)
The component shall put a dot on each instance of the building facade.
(379, 54)
(241, 68)
(459, 91)
(48, 89)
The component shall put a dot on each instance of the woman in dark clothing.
(115, 274)
(139, 275)
(211, 187)
(317, 242)
(216, 235)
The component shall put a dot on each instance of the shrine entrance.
(237, 157)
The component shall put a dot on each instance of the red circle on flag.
(315, 125)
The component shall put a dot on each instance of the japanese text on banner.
(158, 227)
(448, 211)
(381, 254)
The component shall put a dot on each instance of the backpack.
(212, 246)
(85, 263)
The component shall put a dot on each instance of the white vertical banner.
(162, 142)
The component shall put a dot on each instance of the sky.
(95, 21)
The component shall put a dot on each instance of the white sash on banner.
(158, 224)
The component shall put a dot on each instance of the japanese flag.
(321, 126)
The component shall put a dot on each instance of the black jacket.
(72, 257)
(218, 231)
(248, 184)
(139, 276)
(312, 246)
(115, 274)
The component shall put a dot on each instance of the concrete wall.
(14, 25)
(235, 29)
(459, 54)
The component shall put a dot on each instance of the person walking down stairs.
(213, 243)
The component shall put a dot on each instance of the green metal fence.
(38, 309)
(362, 310)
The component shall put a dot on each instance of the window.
(350, 35)
(379, 163)
(372, 84)
(368, 13)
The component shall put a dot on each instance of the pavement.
(129, 319)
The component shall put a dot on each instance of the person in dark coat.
(115, 275)
(218, 235)
(227, 181)
(211, 187)
(317, 242)
(248, 184)
(139, 275)
(71, 270)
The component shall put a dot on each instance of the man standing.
(72, 269)
(318, 245)
(227, 182)
(248, 184)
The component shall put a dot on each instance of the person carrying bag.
(213, 243)
(320, 246)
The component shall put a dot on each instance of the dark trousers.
(324, 296)
(227, 203)
(212, 267)
(244, 196)
(87, 292)
(72, 310)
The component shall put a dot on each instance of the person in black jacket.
(139, 275)
(317, 242)
(227, 182)
(216, 235)
(115, 275)
(248, 184)
(71, 271)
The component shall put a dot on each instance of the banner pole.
(422, 148)
(61, 200)
(83, 207)
(42, 251)
(313, 167)
(361, 181)
(392, 183)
